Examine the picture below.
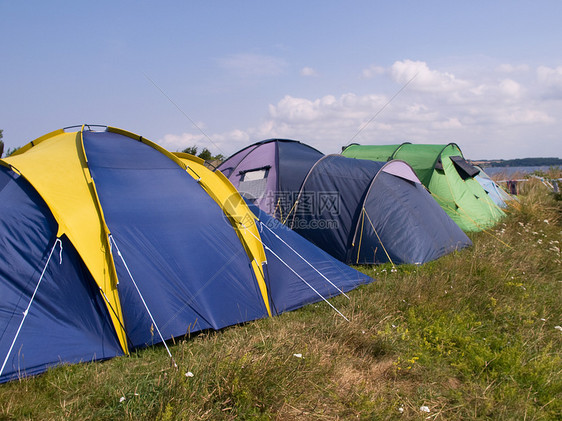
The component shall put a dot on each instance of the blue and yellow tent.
(111, 243)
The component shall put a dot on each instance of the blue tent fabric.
(294, 161)
(160, 234)
(495, 192)
(425, 227)
(287, 290)
(169, 240)
(360, 214)
(287, 162)
(67, 320)
(329, 204)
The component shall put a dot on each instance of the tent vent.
(464, 169)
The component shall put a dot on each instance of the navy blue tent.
(68, 307)
(110, 243)
(372, 212)
(270, 173)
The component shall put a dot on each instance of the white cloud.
(550, 81)
(327, 109)
(450, 123)
(218, 143)
(423, 78)
(308, 71)
(253, 65)
(510, 88)
(174, 142)
(511, 68)
(549, 76)
(372, 71)
(487, 114)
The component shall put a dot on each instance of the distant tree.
(11, 151)
(204, 154)
(192, 150)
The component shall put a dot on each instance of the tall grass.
(470, 336)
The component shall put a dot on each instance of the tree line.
(524, 162)
(204, 154)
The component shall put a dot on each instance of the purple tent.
(270, 173)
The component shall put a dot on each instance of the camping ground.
(473, 335)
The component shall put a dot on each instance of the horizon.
(225, 75)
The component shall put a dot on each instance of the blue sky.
(223, 74)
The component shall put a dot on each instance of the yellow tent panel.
(225, 194)
(58, 171)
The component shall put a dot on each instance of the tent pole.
(380, 241)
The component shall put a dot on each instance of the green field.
(473, 335)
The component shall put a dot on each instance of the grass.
(470, 336)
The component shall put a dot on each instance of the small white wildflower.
(189, 374)
(558, 328)
(401, 410)
(424, 408)
(122, 399)
(394, 326)
(136, 394)
(544, 320)
(363, 332)
(297, 355)
(546, 221)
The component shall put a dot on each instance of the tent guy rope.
(142, 299)
(26, 311)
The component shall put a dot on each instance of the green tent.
(447, 176)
